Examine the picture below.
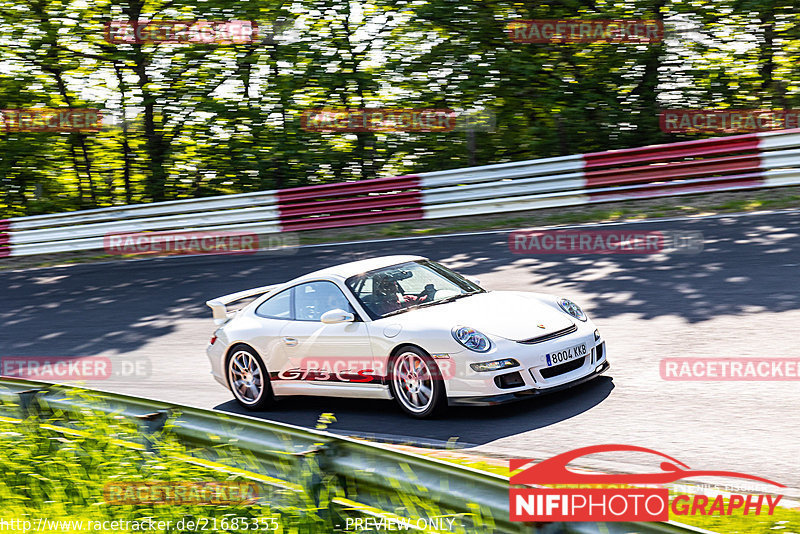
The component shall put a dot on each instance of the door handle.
(290, 341)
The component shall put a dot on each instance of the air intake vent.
(550, 372)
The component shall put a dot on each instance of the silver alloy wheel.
(245, 377)
(413, 382)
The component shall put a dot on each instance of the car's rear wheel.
(417, 384)
(248, 378)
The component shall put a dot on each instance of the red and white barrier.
(350, 203)
(767, 159)
(5, 248)
(720, 164)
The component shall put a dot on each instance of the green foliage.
(61, 476)
(191, 120)
(57, 465)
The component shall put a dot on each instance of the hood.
(506, 314)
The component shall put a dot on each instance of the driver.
(389, 295)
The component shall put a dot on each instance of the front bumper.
(503, 398)
(535, 370)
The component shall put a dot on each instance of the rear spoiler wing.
(219, 305)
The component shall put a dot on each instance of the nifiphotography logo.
(563, 495)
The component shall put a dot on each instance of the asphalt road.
(739, 297)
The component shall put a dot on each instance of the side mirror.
(337, 316)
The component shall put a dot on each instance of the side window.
(278, 306)
(313, 299)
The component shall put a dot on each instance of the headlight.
(495, 365)
(571, 308)
(471, 338)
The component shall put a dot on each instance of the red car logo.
(554, 470)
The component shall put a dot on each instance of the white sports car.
(401, 327)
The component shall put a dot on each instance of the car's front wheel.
(417, 383)
(248, 378)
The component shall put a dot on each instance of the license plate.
(555, 358)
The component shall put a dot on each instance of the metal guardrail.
(731, 163)
(362, 478)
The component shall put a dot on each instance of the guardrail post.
(152, 423)
(29, 402)
(315, 473)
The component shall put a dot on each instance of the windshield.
(399, 288)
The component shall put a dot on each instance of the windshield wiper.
(401, 310)
(450, 298)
